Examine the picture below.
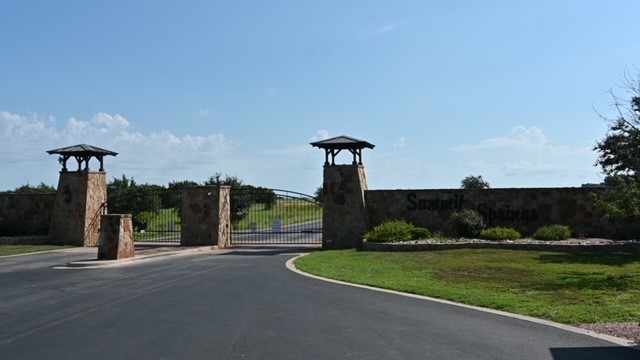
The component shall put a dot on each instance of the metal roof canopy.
(82, 153)
(333, 146)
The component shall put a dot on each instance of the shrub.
(396, 231)
(500, 233)
(552, 232)
(418, 233)
(468, 223)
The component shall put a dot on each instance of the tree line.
(124, 195)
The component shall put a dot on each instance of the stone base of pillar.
(343, 206)
(116, 237)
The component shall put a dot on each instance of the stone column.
(116, 237)
(77, 208)
(206, 216)
(344, 216)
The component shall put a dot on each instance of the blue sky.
(509, 90)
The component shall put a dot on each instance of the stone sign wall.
(25, 214)
(524, 209)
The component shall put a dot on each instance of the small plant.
(418, 233)
(500, 233)
(468, 223)
(552, 232)
(396, 231)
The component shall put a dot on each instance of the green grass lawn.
(6, 250)
(289, 211)
(562, 287)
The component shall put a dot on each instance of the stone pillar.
(206, 216)
(344, 216)
(77, 208)
(116, 237)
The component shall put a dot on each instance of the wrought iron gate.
(273, 216)
(156, 212)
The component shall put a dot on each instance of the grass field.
(6, 250)
(289, 211)
(567, 288)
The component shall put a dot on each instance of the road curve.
(244, 303)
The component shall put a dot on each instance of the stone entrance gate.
(254, 215)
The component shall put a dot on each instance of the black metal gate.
(156, 212)
(273, 216)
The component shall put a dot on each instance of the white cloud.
(527, 157)
(401, 144)
(110, 121)
(159, 156)
(386, 29)
(15, 126)
(520, 137)
(272, 91)
(320, 135)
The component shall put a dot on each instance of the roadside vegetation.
(562, 287)
(6, 250)
(289, 211)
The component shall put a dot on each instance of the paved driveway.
(245, 304)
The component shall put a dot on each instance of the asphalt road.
(245, 304)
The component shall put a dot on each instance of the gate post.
(343, 206)
(116, 237)
(206, 216)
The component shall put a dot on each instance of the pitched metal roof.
(82, 149)
(342, 142)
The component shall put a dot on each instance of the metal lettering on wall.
(502, 213)
(454, 203)
(506, 214)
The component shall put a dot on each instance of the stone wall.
(25, 214)
(524, 209)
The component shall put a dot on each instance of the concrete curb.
(98, 264)
(616, 340)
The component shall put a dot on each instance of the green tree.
(319, 195)
(41, 188)
(619, 156)
(124, 196)
(620, 149)
(172, 198)
(241, 197)
(474, 182)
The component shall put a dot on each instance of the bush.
(418, 233)
(552, 232)
(500, 233)
(468, 223)
(396, 231)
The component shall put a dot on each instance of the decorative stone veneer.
(344, 219)
(523, 209)
(206, 216)
(26, 214)
(77, 208)
(116, 237)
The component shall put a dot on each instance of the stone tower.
(80, 197)
(343, 187)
